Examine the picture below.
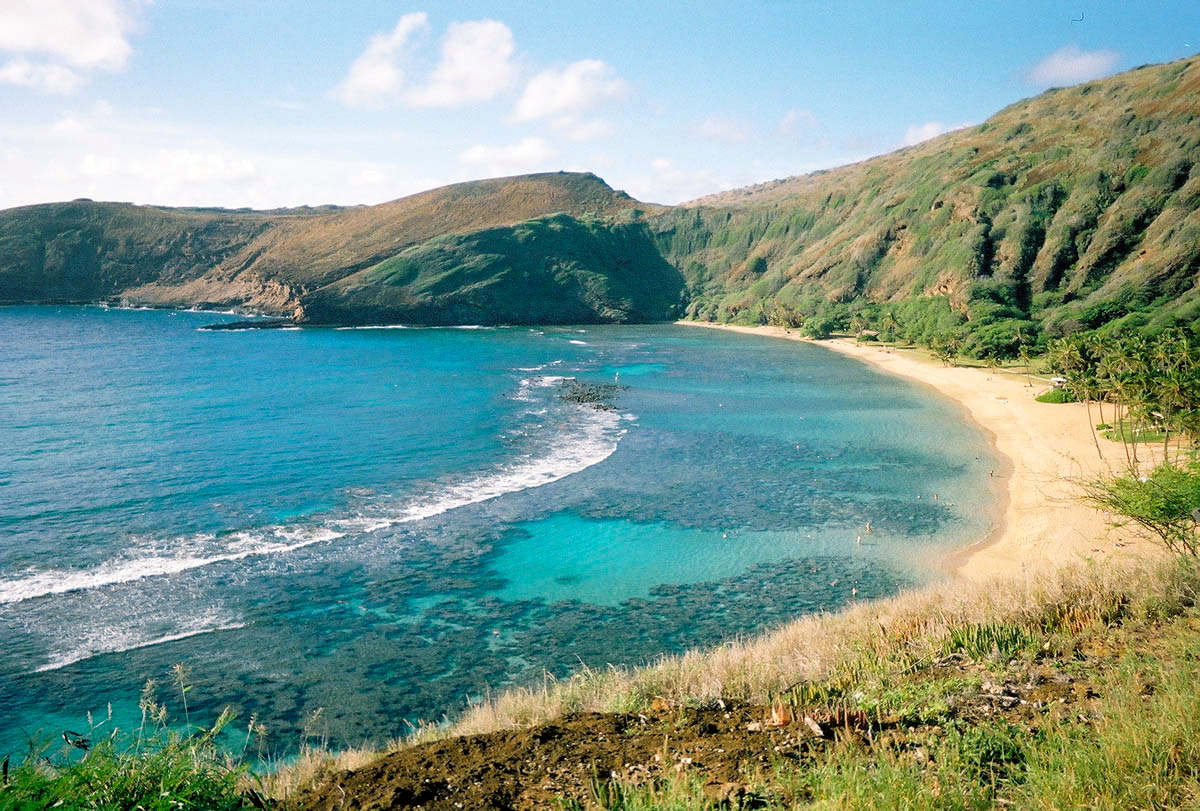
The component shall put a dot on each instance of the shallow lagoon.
(385, 523)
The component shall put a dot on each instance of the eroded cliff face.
(246, 290)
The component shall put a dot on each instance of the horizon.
(376, 103)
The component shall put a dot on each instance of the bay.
(384, 524)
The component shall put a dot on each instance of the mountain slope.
(1066, 211)
(279, 262)
(1078, 209)
(557, 269)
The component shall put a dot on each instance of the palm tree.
(1071, 359)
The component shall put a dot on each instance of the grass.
(1127, 431)
(1132, 741)
(1055, 396)
(162, 771)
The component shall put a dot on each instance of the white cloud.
(723, 130)
(1069, 65)
(109, 155)
(47, 77)
(930, 129)
(476, 65)
(65, 38)
(83, 33)
(569, 92)
(527, 154)
(375, 78)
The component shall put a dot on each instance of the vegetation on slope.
(85, 252)
(557, 269)
(1076, 210)
(154, 768)
(277, 262)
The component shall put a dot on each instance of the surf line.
(599, 435)
(87, 653)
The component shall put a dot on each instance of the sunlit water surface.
(386, 523)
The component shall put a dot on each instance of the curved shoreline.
(1045, 447)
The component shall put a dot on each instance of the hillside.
(281, 262)
(1070, 210)
(1078, 209)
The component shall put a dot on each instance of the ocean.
(385, 524)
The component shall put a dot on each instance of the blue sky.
(272, 102)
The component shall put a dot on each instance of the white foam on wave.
(598, 435)
(600, 432)
(377, 326)
(591, 438)
(577, 343)
(117, 639)
(540, 367)
(364, 524)
(528, 385)
(197, 551)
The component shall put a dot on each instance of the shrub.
(1161, 503)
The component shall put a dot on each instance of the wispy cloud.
(109, 154)
(525, 155)
(930, 129)
(565, 96)
(569, 91)
(476, 65)
(668, 182)
(375, 77)
(50, 78)
(54, 43)
(1069, 65)
(797, 122)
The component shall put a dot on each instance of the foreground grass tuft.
(165, 770)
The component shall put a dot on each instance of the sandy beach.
(1043, 521)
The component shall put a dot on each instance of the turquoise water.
(386, 523)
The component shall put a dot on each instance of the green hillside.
(1075, 210)
(556, 269)
(595, 264)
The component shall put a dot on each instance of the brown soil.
(727, 745)
(530, 768)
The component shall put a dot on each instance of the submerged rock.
(598, 396)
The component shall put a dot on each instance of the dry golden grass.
(894, 632)
(313, 764)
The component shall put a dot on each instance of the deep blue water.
(384, 523)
